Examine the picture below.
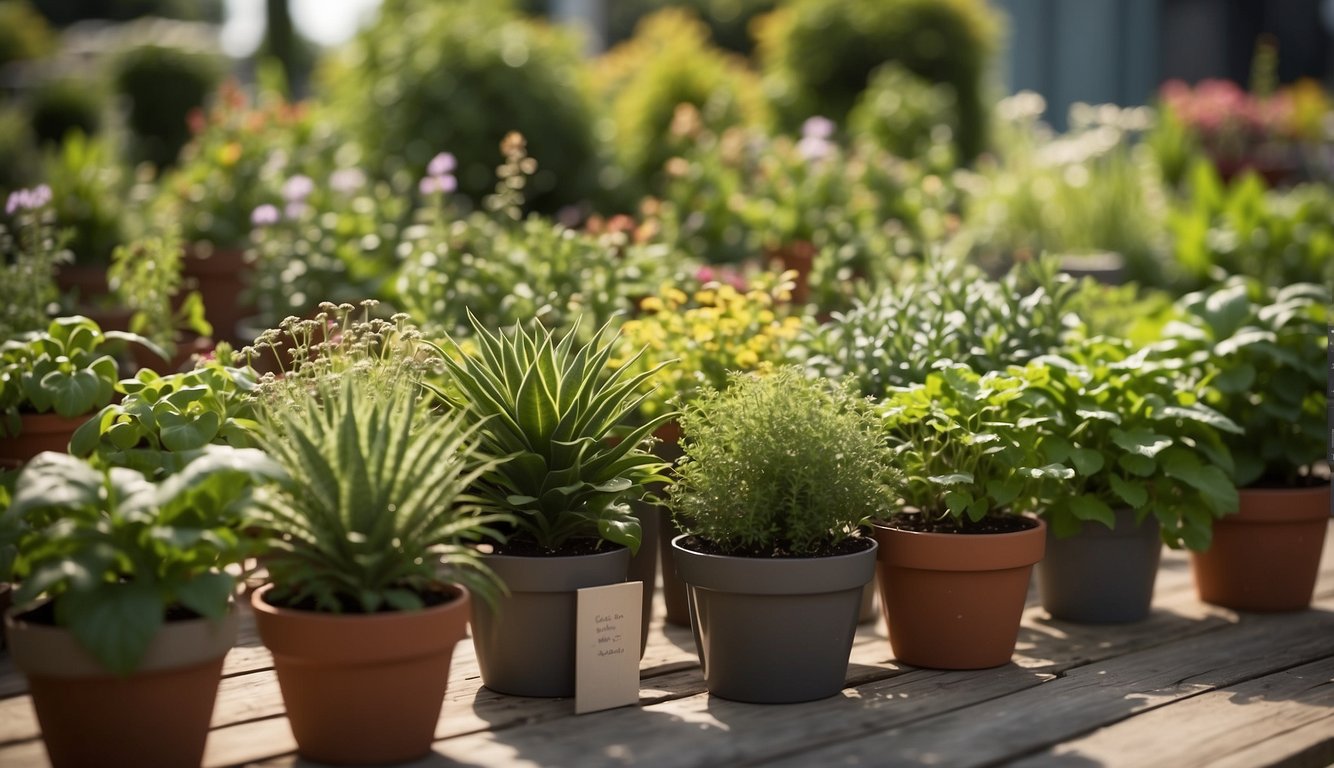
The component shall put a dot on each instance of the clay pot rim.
(1041, 525)
(1281, 505)
(260, 605)
(961, 551)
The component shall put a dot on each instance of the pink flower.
(442, 164)
(264, 215)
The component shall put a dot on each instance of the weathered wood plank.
(1263, 721)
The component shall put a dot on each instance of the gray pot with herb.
(550, 407)
(780, 474)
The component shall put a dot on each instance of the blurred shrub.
(161, 85)
(818, 55)
(904, 114)
(87, 194)
(24, 33)
(18, 150)
(62, 13)
(428, 76)
(670, 62)
(728, 21)
(61, 106)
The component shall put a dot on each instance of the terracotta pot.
(954, 601)
(1266, 557)
(799, 257)
(525, 644)
(774, 630)
(157, 716)
(221, 275)
(362, 688)
(1102, 575)
(38, 432)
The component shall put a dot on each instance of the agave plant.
(377, 514)
(555, 411)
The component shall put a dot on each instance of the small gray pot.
(644, 564)
(525, 646)
(1101, 575)
(774, 631)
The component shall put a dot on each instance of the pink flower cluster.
(1216, 107)
(439, 175)
(27, 199)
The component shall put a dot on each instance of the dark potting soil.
(988, 524)
(435, 594)
(706, 547)
(45, 614)
(571, 548)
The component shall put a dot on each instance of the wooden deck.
(1192, 686)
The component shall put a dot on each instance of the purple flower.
(346, 180)
(441, 164)
(429, 185)
(814, 148)
(41, 195)
(817, 127)
(264, 216)
(16, 200)
(297, 188)
(295, 209)
(27, 199)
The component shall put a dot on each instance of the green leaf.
(955, 478)
(1140, 441)
(1132, 493)
(207, 594)
(1086, 461)
(182, 432)
(1092, 508)
(1137, 464)
(114, 622)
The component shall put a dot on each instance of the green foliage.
(162, 421)
(903, 113)
(68, 369)
(88, 193)
(1137, 435)
(376, 501)
(819, 55)
(1280, 237)
(114, 551)
(551, 408)
(459, 76)
(667, 63)
(146, 276)
(61, 107)
(970, 446)
(778, 464)
(162, 84)
(31, 247)
(949, 312)
(728, 21)
(1266, 349)
(18, 148)
(24, 34)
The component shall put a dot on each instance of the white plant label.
(607, 647)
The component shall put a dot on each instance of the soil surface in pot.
(571, 548)
(435, 594)
(45, 614)
(988, 524)
(707, 547)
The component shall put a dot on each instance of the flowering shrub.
(30, 247)
(720, 327)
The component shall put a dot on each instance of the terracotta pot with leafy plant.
(955, 559)
(52, 380)
(551, 406)
(367, 544)
(1267, 349)
(780, 474)
(123, 612)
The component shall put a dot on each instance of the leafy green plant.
(905, 114)
(162, 420)
(67, 369)
(552, 408)
(163, 82)
(146, 276)
(31, 247)
(63, 106)
(377, 499)
(116, 552)
(1137, 435)
(779, 464)
(1266, 350)
(88, 190)
(969, 447)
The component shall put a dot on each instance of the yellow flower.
(229, 154)
(651, 304)
(747, 359)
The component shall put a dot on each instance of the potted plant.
(123, 610)
(51, 380)
(366, 544)
(955, 557)
(1267, 347)
(779, 475)
(145, 276)
(1149, 467)
(31, 248)
(161, 419)
(551, 406)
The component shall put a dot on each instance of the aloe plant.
(555, 410)
(377, 502)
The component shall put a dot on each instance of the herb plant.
(68, 369)
(1137, 435)
(1267, 348)
(780, 465)
(968, 445)
(31, 247)
(146, 276)
(551, 408)
(114, 551)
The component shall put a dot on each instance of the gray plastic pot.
(774, 630)
(525, 645)
(1102, 575)
(644, 564)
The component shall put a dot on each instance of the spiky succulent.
(377, 512)
(554, 410)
